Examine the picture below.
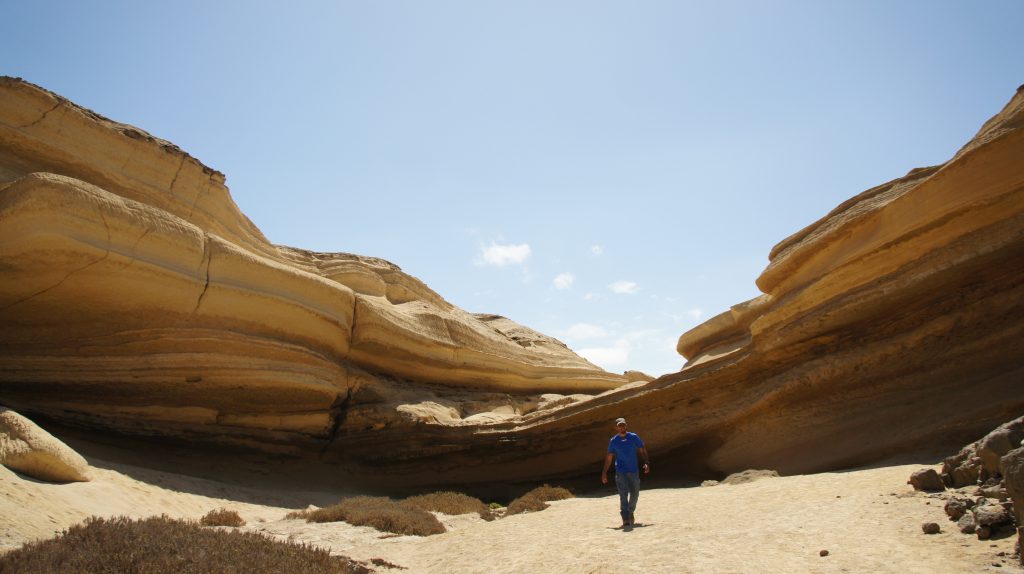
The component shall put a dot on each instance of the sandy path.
(869, 520)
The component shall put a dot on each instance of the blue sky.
(609, 173)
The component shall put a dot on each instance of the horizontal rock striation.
(894, 321)
(136, 296)
(893, 325)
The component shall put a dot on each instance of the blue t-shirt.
(624, 449)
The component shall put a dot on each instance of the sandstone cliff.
(895, 324)
(136, 297)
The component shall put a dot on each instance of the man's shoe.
(632, 521)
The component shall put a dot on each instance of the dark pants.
(628, 484)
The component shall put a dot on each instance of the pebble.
(823, 553)
(930, 528)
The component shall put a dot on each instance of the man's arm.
(607, 465)
(647, 461)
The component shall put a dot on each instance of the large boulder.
(991, 515)
(963, 468)
(1000, 441)
(1012, 467)
(926, 479)
(30, 450)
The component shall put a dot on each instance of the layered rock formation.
(895, 324)
(137, 297)
(895, 320)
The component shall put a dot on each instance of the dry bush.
(548, 492)
(525, 503)
(222, 517)
(379, 512)
(448, 502)
(160, 544)
(303, 514)
(536, 499)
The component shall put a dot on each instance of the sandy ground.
(869, 521)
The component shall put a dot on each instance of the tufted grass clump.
(222, 517)
(161, 544)
(378, 512)
(537, 499)
(447, 502)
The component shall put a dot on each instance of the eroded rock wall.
(136, 296)
(895, 320)
(894, 325)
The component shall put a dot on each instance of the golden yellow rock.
(136, 296)
(30, 450)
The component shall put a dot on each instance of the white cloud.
(581, 331)
(608, 358)
(596, 250)
(564, 281)
(624, 287)
(501, 255)
(696, 313)
(591, 297)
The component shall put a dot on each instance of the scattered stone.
(380, 562)
(1012, 465)
(956, 507)
(709, 483)
(967, 524)
(962, 469)
(749, 476)
(926, 479)
(931, 528)
(997, 492)
(823, 553)
(991, 514)
(983, 532)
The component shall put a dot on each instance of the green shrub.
(379, 512)
(222, 517)
(160, 544)
(447, 502)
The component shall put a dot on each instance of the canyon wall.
(136, 298)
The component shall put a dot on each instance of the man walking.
(623, 448)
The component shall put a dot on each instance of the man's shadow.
(629, 528)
